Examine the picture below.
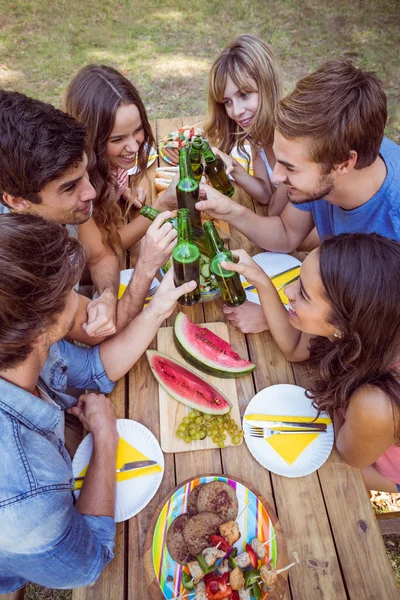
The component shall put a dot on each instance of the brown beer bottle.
(229, 282)
(215, 171)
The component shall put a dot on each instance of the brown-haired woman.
(119, 137)
(344, 317)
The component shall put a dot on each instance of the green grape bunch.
(197, 426)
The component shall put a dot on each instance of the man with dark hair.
(341, 174)
(43, 172)
(44, 536)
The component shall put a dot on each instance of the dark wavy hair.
(38, 144)
(39, 265)
(93, 97)
(361, 279)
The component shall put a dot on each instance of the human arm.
(104, 269)
(134, 231)
(257, 186)
(97, 414)
(369, 428)
(292, 342)
(282, 233)
(120, 353)
(155, 249)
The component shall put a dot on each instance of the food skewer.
(270, 540)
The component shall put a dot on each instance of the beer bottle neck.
(184, 165)
(184, 227)
(214, 241)
(208, 154)
(149, 212)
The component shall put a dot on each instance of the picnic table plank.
(299, 502)
(352, 517)
(110, 584)
(144, 408)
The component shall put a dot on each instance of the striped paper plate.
(253, 522)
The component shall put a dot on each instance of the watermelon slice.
(187, 387)
(207, 351)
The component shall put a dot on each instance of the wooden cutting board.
(172, 412)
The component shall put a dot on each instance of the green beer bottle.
(186, 259)
(215, 171)
(195, 158)
(199, 237)
(187, 190)
(229, 282)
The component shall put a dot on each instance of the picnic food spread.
(207, 351)
(202, 540)
(187, 387)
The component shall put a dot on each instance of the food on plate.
(217, 571)
(258, 548)
(269, 576)
(218, 497)
(212, 554)
(236, 579)
(196, 571)
(230, 531)
(191, 506)
(169, 146)
(207, 351)
(187, 387)
(176, 542)
(197, 426)
(201, 591)
(198, 529)
(164, 176)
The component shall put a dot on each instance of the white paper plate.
(286, 399)
(131, 497)
(124, 278)
(152, 157)
(271, 263)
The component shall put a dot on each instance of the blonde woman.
(244, 89)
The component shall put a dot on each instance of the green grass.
(166, 48)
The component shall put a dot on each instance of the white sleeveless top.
(267, 165)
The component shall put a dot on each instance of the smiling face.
(305, 179)
(68, 199)
(308, 309)
(126, 137)
(240, 106)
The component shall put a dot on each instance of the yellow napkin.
(126, 453)
(121, 290)
(289, 447)
(263, 417)
(279, 281)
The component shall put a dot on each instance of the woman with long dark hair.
(119, 137)
(344, 318)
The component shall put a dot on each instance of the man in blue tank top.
(341, 174)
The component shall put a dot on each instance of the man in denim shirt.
(44, 536)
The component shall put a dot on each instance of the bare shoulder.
(369, 404)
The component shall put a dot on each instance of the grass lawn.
(166, 49)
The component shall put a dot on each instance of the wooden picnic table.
(326, 517)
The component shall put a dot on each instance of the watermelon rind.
(193, 355)
(198, 381)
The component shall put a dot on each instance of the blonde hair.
(253, 67)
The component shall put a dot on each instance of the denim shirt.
(43, 538)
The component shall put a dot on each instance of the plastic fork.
(267, 433)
